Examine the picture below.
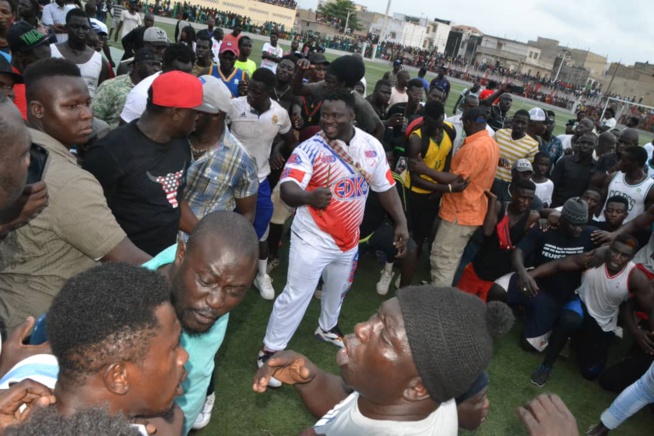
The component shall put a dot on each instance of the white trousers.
(305, 266)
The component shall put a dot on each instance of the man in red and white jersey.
(327, 178)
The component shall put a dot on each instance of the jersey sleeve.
(382, 178)
(284, 122)
(298, 169)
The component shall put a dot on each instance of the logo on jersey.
(351, 189)
(170, 184)
(371, 153)
(275, 119)
(328, 159)
(295, 159)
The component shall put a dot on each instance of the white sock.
(262, 265)
(389, 267)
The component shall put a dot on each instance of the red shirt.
(20, 100)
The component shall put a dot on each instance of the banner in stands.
(258, 12)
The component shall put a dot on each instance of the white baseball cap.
(215, 93)
(537, 114)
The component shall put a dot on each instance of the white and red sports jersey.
(313, 165)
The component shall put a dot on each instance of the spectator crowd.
(139, 206)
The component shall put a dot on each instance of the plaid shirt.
(220, 176)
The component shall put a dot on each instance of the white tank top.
(636, 195)
(603, 294)
(90, 70)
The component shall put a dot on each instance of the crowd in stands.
(139, 206)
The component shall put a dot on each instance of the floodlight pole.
(383, 29)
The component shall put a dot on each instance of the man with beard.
(328, 178)
(142, 165)
(401, 370)
(116, 338)
(282, 92)
(77, 229)
(210, 275)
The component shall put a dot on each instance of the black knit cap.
(450, 335)
(349, 69)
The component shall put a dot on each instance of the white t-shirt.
(397, 97)
(137, 99)
(215, 49)
(608, 124)
(544, 191)
(257, 132)
(315, 164)
(566, 141)
(130, 22)
(345, 419)
(274, 51)
(55, 14)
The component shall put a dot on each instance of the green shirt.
(110, 98)
(201, 350)
(248, 66)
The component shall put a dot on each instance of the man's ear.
(415, 390)
(115, 378)
(179, 254)
(36, 109)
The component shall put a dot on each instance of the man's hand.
(400, 239)
(31, 203)
(288, 367)
(644, 340)
(394, 121)
(526, 284)
(277, 161)
(28, 393)
(460, 184)
(61, 28)
(320, 198)
(417, 165)
(547, 415)
(602, 237)
(13, 349)
(504, 163)
(303, 64)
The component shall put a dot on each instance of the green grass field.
(239, 411)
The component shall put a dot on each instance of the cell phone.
(38, 161)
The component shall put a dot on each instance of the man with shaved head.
(210, 275)
(571, 175)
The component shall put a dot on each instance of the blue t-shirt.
(201, 350)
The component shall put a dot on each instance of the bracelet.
(450, 187)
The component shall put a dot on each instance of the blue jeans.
(630, 401)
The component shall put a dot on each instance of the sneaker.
(263, 358)
(205, 415)
(265, 287)
(384, 282)
(272, 264)
(333, 336)
(540, 376)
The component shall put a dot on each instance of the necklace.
(279, 96)
(195, 152)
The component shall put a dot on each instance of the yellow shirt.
(512, 150)
(434, 158)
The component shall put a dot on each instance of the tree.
(339, 9)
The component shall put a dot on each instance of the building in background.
(462, 41)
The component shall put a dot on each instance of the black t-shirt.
(501, 189)
(144, 183)
(394, 138)
(546, 246)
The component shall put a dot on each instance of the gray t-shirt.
(345, 419)
(366, 117)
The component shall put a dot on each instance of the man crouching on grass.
(402, 370)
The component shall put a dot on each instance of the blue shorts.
(264, 210)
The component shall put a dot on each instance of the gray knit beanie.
(575, 211)
(450, 335)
